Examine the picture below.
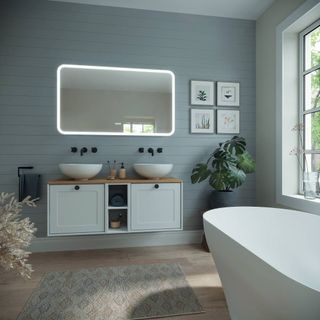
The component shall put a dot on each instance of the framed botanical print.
(202, 93)
(228, 121)
(201, 120)
(228, 94)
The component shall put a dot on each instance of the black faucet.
(83, 150)
(150, 150)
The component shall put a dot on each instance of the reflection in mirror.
(115, 101)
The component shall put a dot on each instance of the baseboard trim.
(68, 243)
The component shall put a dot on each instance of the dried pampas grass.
(15, 234)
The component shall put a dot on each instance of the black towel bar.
(21, 168)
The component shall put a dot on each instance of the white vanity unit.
(88, 207)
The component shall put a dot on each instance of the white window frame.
(287, 106)
(302, 112)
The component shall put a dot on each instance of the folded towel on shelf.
(29, 185)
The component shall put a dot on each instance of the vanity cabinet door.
(76, 209)
(155, 206)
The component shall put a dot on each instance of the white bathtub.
(268, 260)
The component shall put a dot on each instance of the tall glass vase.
(310, 181)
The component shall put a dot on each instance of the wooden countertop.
(116, 181)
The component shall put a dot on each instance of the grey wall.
(37, 36)
(266, 98)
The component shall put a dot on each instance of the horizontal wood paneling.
(37, 36)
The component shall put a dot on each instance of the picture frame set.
(203, 120)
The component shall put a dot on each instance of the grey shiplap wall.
(36, 36)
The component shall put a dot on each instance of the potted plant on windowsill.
(226, 170)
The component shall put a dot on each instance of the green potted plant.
(226, 170)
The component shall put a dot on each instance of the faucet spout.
(150, 150)
(83, 150)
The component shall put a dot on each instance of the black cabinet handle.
(156, 186)
(77, 187)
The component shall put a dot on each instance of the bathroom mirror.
(95, 100)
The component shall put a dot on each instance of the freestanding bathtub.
(268, 260)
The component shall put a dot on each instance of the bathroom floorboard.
(197, 265)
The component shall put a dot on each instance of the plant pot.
(226, 198)
(219, 199)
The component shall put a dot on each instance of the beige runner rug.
(112, 293)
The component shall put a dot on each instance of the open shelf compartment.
(118, 217)
(117, 195)
(117, 208)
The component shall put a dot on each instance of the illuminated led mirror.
(115, 101)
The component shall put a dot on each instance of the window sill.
(298, 202)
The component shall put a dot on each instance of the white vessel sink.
(153, 170)
(82, 171)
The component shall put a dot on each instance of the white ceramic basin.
(153, 170)
(82, 171)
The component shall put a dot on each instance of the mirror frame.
(106, 133)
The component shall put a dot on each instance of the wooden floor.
(196, 264)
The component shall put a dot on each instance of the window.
(310, 98)
(297, 101)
